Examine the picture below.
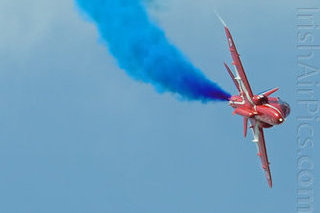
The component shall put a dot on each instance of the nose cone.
(278, 118)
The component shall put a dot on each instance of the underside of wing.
(236, 83)
(240, 74)
(261, 147)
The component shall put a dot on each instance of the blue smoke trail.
(142, 49)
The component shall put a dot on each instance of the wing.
(232, 77)
(241, 75)
(261, 147)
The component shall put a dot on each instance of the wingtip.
(269, 178)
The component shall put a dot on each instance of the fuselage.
(269, 111)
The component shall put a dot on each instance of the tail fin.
(269, 92)
(232, 76)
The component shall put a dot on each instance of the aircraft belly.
(266, 119)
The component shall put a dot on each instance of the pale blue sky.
(78, 135)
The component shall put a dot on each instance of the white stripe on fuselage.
(268, 105)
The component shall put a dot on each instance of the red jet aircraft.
(261, 110)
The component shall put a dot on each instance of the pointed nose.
(278, 118)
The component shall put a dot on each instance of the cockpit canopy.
(277, 102)
(285, 108)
